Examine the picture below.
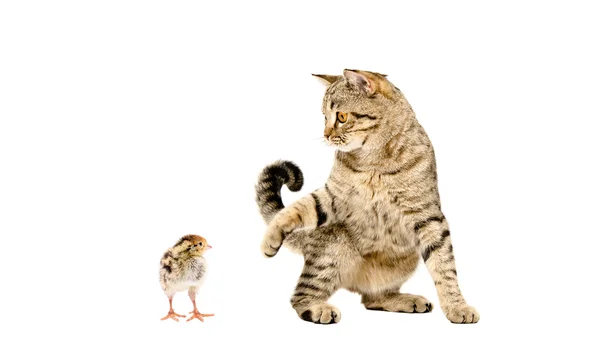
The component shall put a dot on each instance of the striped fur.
(376, 216)
(268, 188)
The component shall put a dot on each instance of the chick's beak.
(208, 246)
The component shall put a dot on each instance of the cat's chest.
(372, 215)
(371, 207)
(370, 191)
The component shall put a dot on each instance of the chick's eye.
(342, 117)
(200, 244)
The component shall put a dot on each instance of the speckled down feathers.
(182, 266)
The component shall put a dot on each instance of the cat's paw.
(402, 302)
(462, 313)
(321, 313)
(272, 241)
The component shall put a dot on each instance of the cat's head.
(359, 109)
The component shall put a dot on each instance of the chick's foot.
(172, 315)
(198, 315)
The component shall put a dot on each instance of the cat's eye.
(342, 117)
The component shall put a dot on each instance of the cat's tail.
(270, 181)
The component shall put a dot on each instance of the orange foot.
(199, 315)
(172, 315)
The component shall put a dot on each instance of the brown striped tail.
(270, 181)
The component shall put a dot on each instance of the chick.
(182, 268)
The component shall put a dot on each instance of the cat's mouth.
(343, 143)
(336, 141)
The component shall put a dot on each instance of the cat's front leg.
(310, 211)
(435, 245)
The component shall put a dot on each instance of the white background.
(128, 124)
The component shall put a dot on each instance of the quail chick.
(182, 268)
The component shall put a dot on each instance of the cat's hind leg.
(379, 276)
(318, 281)
(326, 258)
(397, 302)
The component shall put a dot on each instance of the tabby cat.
(378, 213)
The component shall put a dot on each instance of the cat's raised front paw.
(462, 313)
(272, 241)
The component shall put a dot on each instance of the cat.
(377, 214)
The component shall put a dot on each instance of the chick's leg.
(195, 313)
(172, 315)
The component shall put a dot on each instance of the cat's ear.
(358, 78)
(328, 78)
(370, 82)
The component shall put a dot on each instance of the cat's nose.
(327, 133)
